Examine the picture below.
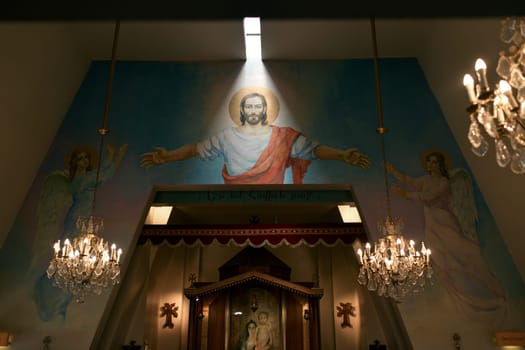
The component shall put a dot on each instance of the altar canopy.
(254, 215)
(255, 235)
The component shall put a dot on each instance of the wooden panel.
(216, 323)
(294, 323)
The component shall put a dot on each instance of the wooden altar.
(252, 284)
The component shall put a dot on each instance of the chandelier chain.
(381, 130)
(103, 131)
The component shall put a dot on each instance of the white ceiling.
(297, 39)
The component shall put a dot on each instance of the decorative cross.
(46, 341)
(457, 341)
(315, 278)
(376, 345)
(345, 310)
(168, 310)
(253, 303)
(254, 219)
(192, 279)
(132, 346)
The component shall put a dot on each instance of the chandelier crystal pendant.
(499, 112)
(392, 267)
(87, 264)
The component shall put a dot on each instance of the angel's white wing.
(463, 204)
(54, 202)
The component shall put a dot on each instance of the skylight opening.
(252, 38)
(349, 213)
(158, 215)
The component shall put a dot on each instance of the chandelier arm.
(381, 130)
(520, 121)
(103, 130)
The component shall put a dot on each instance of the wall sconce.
(199, 307)
(510, 338)
(5, 338)
(306, 314)
(46, 341)
(253, 303)
(457, 341)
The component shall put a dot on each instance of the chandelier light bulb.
(481, 72)
(504, 87)
(468, 82)
(480, 65)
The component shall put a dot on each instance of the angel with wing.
(64, 196)
(450, 217)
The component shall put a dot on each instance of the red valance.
(254, 234)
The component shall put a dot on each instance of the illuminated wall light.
(349, 213)
(510, 340)
(252, 38)
(158, 215)
(5, 339)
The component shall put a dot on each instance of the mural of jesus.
(254, 151)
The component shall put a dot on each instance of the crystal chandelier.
(500, 111)
(392, 267)
(87, 264)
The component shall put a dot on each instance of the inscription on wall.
(214, 196)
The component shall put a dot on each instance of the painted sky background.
(172, 104)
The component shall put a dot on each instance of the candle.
(481, 71)
(499, 114)
(506, 90)
(360, 254)
(468, 82)
(66, 247)
(388, 263)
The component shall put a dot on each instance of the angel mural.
(450, 217)
(65, 195)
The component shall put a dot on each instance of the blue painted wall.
(173, 104)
